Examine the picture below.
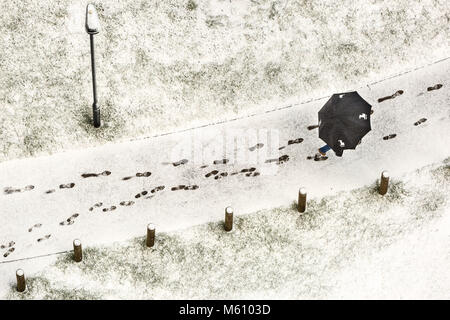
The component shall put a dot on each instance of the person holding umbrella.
(343, 121)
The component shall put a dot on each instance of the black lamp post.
(93, 27)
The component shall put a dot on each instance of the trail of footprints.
(128, 203)
(214, 173)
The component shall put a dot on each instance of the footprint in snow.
(223, 161)
(216, 174)
(127, 203)
(97, 205)
(435, 87)
(420, 121)
(179, 163)
(290, 142)
(10, 190)
(248, 172)
(9, 245)
(391, 136)
(37, 225)
(69, 221)
(143, 193)
(257, 146)
(317, 158)
(47, 236)
(280, 160)
(212, 173)
(67, 185)
(144, 174)
(221, 175)
(184, 187)
(112, 208)
(396, 94)
(7, 253)
(88, 175)
(139, 175)
(157, 189)
(312, 127)
(295, 141)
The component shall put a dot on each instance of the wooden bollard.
(228, 219)
(384, 183)
(77, 251)
(150, 235)
(302, 200)
(21, 285)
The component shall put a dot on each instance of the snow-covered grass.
(278, 253)
(178, 63)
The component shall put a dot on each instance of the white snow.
(414, 147)
(354, 244)
(166, 65)
(234, 80)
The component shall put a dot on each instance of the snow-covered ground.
(207, 104)
(352, 244)
(32, 218)
(166, 65)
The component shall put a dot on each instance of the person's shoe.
(321, 153)
(318, 156)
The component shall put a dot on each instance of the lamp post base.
(96, 115)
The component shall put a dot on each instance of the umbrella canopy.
(344, 120)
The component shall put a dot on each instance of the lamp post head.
(92, 21)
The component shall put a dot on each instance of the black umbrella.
(344, 120)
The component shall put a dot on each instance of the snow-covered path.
(31, 219)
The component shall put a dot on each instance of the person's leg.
(324, 149)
